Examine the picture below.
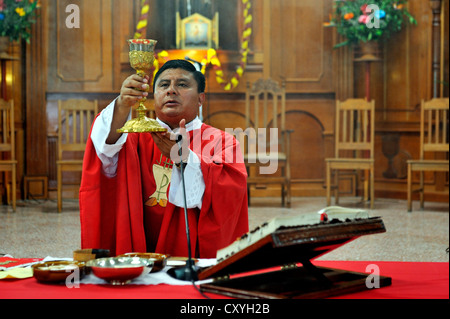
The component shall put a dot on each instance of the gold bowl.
(57, 271)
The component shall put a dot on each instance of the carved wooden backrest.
(265, 104)
(75, 117)
(355, 127)
(7, 142)
(434, 126)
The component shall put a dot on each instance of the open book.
(327, 214)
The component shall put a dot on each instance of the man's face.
(176, 97)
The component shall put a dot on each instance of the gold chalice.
(141, 59)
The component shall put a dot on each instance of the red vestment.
(114, 214)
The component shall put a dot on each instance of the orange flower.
(349, 16)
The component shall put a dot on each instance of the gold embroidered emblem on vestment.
(162, 173)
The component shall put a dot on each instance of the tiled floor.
(37, 230)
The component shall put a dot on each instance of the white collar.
(195, 124)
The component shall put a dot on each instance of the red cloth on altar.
(114, 216)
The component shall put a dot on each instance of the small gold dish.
(57, 271)
(159, 260)
(89, 254)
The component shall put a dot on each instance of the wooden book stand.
(283, 260)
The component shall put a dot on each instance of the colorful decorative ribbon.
(141, 28)
(211, 57)
(213, 60)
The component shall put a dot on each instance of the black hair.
(185, 65)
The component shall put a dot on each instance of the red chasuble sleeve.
(111, 210)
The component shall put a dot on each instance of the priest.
(131, 194)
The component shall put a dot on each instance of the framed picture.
(197, 32)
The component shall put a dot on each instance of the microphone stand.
(187, 272)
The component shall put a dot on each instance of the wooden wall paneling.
(268, 23)
(436, 9)
(257, 55)
(35, 106)
(122, 29)
(394, 71)
(310, 117)
(98, 47)
(420, 57)
(413, 44)
(226, 111)
(128, 14)
(80, 59)
(342, 68)
(445, 49)
(67, 64)
(301, 47)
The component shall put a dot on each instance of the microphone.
(186, 273)
(178, 140)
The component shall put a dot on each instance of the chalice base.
(141, 124)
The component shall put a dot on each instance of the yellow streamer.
(142, 24)
(248, 19)
(212, 59)
(240, 71)
(211, 56)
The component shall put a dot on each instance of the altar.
(410, 280)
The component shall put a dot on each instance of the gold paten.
(141, 56)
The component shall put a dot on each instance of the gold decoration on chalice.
(141, 59)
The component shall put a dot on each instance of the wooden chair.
(75, 117)
(8, 163)
(354, 145)
(268, 146)
(433, 139)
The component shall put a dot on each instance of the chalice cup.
(142, 56)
